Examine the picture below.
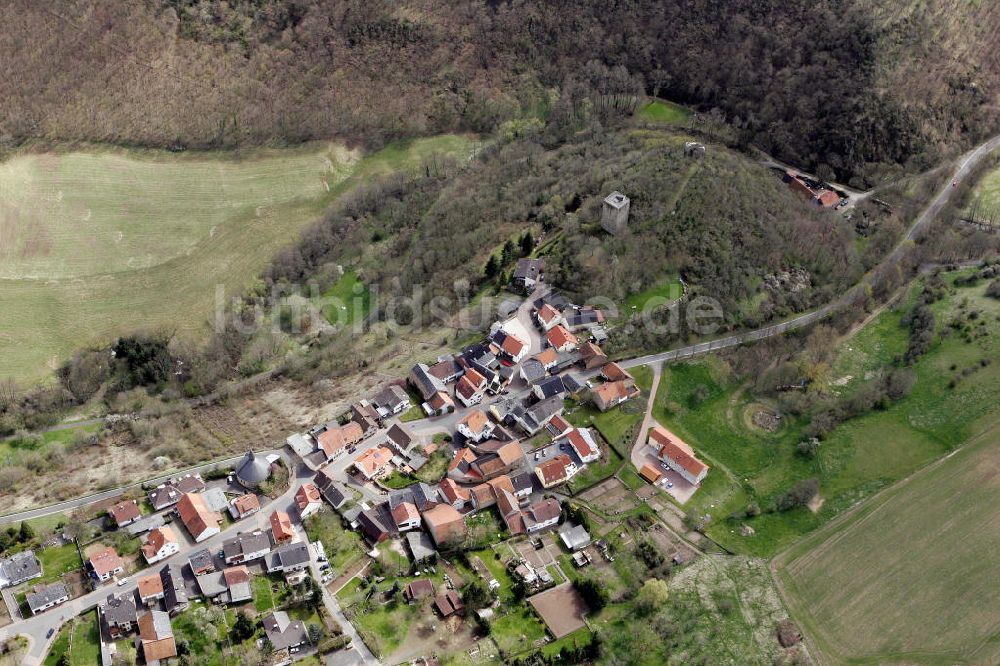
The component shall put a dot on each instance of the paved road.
(364, 655)
(70, 505)
(36, 627)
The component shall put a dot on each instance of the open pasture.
(101, 242)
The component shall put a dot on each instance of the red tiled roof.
(589, 349)
(246, 504)
(236, 575)
(281, 526)
(580, 444)
(372, 460)
(547, 313)
(150, 586)
(548, 357)
(453, 492)
(510, 453)
(195, 514)
(476, 421)
(560, 423)
(650, 473)
(512, 345)
(156, 539)
(614, 372)
(105, 561)
(554, 470)
(124, 512)
(404, 513)
(462, 455)
(334, 440)
(307, 494)
(559, 336)
(686, 460)
(440, 400)
(662, 437)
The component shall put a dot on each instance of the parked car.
(122, 581)
(49, 633)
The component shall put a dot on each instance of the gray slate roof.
(46, 595)
(120, 610)
(19, 567)
(252, 471)
(174, 592)
(282, 631)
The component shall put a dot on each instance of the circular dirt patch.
(760, 417)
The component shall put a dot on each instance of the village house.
(200, 522)
(523, 485)
(421, 546)
(373, 462)
(43, 597)
(246, 547)
(509, 345)
(282, 529)
(125, 513)
(336, 440)
(559, 469)
(201, 562)
(456, 496)
(583, 444)
(439, 404)
(561, 340)
(509, 509)
(156, 637)
(307, 500)
(366, 416)
(527, 273)
(678, 456)
(393, 399)
(499, 461)
(244, 505)
(426, 383)
(444, 523)
(253, 470)
(541, 515)
(164, 496)
(373, 525)
(584, 319)
(548, 387)
(476, 426)
(548, 317)
(471, 388)
(400, 437)
(406, 516)
(150, 588)
(19, 568)
(558, 425)
(160, 544)
(237, 581)
(119, 614)
(549, 358)
(533, 369)
(292, 559)
(332, 490)
(283, 632)
(591, 356)
(175, 598)
(534, 418)
(105, 563)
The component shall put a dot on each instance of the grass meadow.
(100, 242)
(663, 112)
(867, 587)
(710, 409)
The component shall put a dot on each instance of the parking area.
(671, 482)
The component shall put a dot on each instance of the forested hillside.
(842, 87)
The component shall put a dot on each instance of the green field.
(13, 449)
(666, 291)
(663, 112)
(861, 456)
(922, 555)
(80, 639)
(987, 191)
(104, 241)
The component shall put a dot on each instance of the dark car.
(49, 633)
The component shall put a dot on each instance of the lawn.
(347, 301)
(517, 630)
(630, 478)
(151, 257)
(383, 627)
(343, 547)
(57, 561)
(11, 449)
(708, 407)
(663, 292)
(617, 425)
(988, 192)
(925, 546)
(397, 480)
(663, 112)
(596, 472)
(436, 466)
(263, 594)
(81, 639)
